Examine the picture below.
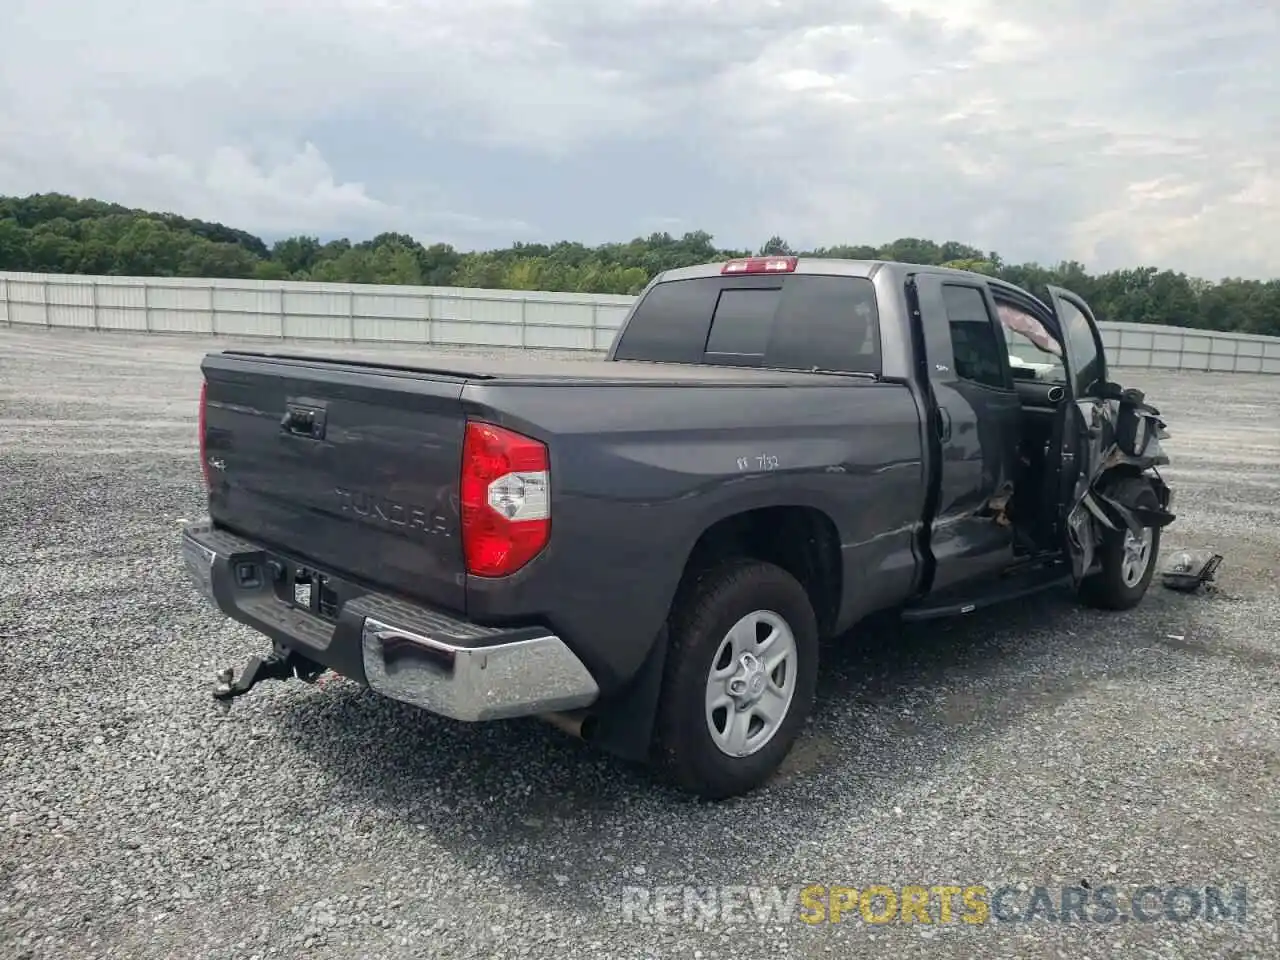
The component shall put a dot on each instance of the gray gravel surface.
(1037, 744)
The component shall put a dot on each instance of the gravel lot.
(1038, 744)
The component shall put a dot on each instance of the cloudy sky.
(1115, 133)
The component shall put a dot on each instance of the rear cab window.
(792, 322)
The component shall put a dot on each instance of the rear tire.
(739, 679)
(1128, 564)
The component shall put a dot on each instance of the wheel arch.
(799, 538)
(802, 540)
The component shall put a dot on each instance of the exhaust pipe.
(576, 723)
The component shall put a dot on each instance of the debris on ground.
(1188, 570)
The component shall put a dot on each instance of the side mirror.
(1108, 390)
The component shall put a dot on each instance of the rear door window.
(975, 346)
(794, 322)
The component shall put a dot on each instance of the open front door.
(1084, 429)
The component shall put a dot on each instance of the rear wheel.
(1128, 563)
(739, 680)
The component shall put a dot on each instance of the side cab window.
(978, 346)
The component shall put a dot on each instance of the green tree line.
(53, 233)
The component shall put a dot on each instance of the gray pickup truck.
(647, 550)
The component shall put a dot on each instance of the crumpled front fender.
(1135, 502)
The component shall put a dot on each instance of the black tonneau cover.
(532, 368)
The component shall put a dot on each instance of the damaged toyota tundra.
(649, 550)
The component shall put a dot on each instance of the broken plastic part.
(1187, 570)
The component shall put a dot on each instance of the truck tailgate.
(351, 468)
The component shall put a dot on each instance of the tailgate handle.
(302, 420)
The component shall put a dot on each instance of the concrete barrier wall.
(1181, 348)
(456, 316)
(313, 311)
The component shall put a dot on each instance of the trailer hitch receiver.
(278, 665)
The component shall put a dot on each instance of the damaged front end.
(1123, 489)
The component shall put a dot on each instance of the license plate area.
(308, 589)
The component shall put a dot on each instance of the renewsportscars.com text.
(974, 904)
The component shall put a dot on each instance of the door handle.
(303, 421)
(944, 424)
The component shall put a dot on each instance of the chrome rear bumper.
(527, 676)
(414, 654)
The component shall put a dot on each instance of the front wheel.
(1128, 563)
(739, 681)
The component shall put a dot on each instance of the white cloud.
(1041, 128)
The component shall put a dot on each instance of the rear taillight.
(204, 453)
(505, 495)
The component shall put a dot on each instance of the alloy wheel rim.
(1136, 557)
